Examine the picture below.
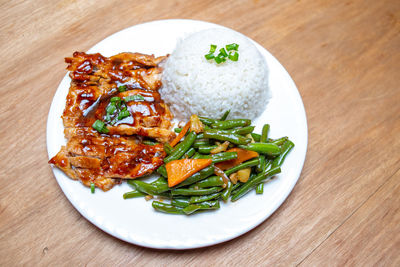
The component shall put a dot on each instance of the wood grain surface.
(345, 59)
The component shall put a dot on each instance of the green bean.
(149, 143)
(261, 164)
(244, 165)
(197, 155)
(219, 157)
(280, 141)
(209, 205)
(181, 148)
(189, 153)
(227, 191)
(204, 173)
(207, 121)
(250, 184)
(159, 181)
(133, 194)
(178, 130)
(243, 130)
(235, 188)
(269, 149)
(223, 156)
(150, 189)
(180, 202)
(225, 115)
(226, 136)
(194, 192)
(256, 137)
(162, 170)
(264, 133)
(168, 149)
(229, 124)
(206, 149)
(206, 205)
(161, 188)
(143, 187)
(209, 182)
(200, 136)
(201, 156)
(199, 199)
(268, 165)
(191, 209)
(166, 208)
(260, 189)
(201, 142)
(286, 147)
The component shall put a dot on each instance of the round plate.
(134, 220)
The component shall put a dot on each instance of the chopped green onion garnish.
(122, 88)
(99, 126)
(92, 188)
(123, 114)
(111, 108)
(233, 56)
(212, 48)
(233, 46)
(149, 143)
(115, 99)
(134, 98)
(223, 52)
(219, 59)
(209, 56)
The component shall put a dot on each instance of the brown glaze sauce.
(95, 79)
(120, 74)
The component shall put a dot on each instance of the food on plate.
(179, 170)
(124, 87)
(112, 105)
(118, 127)
(230, 51)
(193, 84)
(196, 176)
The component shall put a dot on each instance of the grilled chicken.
(105, 159)
(95, 79)
(102, 159)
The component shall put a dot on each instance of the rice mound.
(194, 85)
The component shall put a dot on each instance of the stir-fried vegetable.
(180, 135)
(200, 170)
(179, 170)
(195, 124)
(242, 156)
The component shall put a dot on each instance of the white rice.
(194, 85)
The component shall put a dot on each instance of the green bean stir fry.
(241, 161)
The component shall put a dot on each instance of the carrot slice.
(243, 155)
(181, 169)
(180, 135)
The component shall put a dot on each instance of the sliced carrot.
(181, 169)
(180, 135)
(243, 155)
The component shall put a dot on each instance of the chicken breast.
(122, 92)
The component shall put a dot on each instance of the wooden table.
(345, 59)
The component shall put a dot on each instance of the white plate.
(135, 220)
